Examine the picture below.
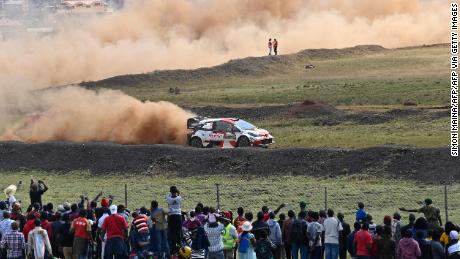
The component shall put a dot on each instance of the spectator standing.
(447, 229)
(431, 213)
(159, 239)
(386, 247)
(81, 228)
(260, 225)
(13, 242)
(453, 250)
(275, 47)
(396, 227)
(361, 214)
(66, 237)
(409, 226)
(437, 249)
(372, 225)
(5, 224)
(408, 248)
(299, 237)
(229, 237)
(174, 201)
(314, 236)
(270, 46)
(10, 191)
(363, 242)
(275, 235)
(343, 237)
(39, 243)
(286, 233)
(239, 220)
(116, 228)
(37, 189)
(216, 246)
(332, 232)
(264, 247)
(246, 242)
(351, 240)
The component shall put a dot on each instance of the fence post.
(446, 205)
(325, 198)
(218, 196)
(126, 195)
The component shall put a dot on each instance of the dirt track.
(428, 165)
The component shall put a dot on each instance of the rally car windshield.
(244, 125)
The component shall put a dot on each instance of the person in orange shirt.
(81, 227)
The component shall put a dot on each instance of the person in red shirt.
(29, 226)
(116, 228)
(363, 242)
(46, 225)
(82, 235)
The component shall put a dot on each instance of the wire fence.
(381, 196)
(379, 202)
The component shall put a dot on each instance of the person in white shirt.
(454, 248)
(174, 201)
(332, 231)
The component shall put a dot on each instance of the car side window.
(221, 126)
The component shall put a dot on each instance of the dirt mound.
(313, 109)
(251, 113)
(427, 164)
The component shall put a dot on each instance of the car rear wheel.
(243, 142)
(196, 142)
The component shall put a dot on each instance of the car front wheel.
(196, 142)
(243, 142)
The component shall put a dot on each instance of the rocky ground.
(423, 164)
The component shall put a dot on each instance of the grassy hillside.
(360, 76)
(356, 80)
(381, 196)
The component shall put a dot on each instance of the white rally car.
(226, 133)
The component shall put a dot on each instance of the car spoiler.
(193, 122)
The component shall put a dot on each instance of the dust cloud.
(166, 34)
(76, 114)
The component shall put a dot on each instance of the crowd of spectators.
(100, 229)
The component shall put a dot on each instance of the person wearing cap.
(39, 243)
(431, 213)
(116, 228)
(454, 246)
(247, 240)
